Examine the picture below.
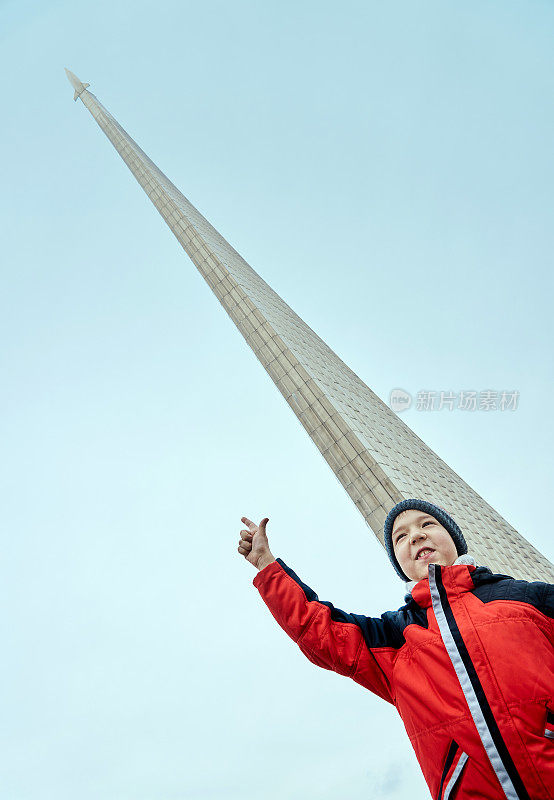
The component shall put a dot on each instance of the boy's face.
(415, 532)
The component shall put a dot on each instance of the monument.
(376, 457)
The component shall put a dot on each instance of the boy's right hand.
(254, 545)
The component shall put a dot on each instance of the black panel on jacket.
(490, 586)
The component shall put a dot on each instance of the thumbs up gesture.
(254, 545)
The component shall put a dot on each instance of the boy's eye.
(399, 537)
(427, 522)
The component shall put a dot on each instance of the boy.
(468, 661)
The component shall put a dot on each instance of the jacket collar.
(456, 578)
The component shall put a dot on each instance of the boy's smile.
(418, 540)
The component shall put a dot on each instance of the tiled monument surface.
(377, 458)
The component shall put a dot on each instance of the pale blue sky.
(388, 169)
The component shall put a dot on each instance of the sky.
(388, 169)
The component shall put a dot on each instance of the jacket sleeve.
(361, 648)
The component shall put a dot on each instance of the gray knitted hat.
(437, 512)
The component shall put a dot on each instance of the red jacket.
(468, 662)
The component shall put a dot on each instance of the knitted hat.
(437, 512)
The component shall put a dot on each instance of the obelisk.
(376, 457)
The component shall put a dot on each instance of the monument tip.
(78, 85)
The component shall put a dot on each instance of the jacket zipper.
(475, 696)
